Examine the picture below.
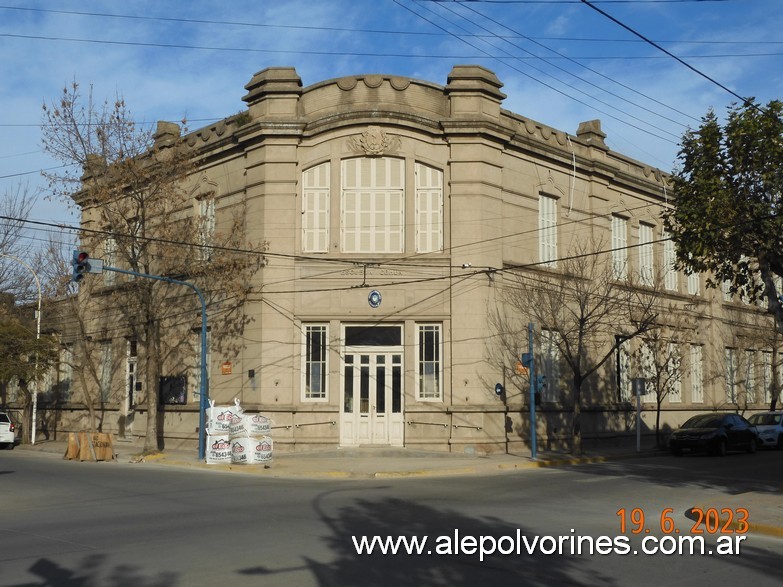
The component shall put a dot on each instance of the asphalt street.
(120, 523)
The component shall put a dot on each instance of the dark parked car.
(716, 433)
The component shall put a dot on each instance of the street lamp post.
(37, 337)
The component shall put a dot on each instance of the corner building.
(388, 204)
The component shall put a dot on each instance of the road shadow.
(443, 560)
(700, 470)
(94, 570)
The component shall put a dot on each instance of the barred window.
(315, 366)
(429, 380)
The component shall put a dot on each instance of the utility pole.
(83, 264)
(528, 361)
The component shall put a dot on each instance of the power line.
(575, 61)
(669, 53)
(535, 79)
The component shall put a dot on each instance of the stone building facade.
(391, 207)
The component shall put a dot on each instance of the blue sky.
(561, 61)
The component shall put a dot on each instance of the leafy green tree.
(24, 358)
(726, 218)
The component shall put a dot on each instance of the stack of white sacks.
(236, 437)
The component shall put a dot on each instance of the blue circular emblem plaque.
(374, 299)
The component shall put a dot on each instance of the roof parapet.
(273, 91)
(591, 134)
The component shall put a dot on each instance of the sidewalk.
(765, 509)
(356, 463)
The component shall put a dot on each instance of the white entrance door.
(372, 398)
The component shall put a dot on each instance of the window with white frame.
(730, 375)
(673, 373)
(106, 371)
(766, 375)
(131, 370)
(206, 227)
(314, 356)
(646, 261)
(696, 374)
(647, 370)
(550, 364)
(429, 378)
(429, 209)
(750, 376)
(65, 372)
(547, 230)
(315, 209)
(619, 248)
(109, 260)
(726, 289)
(373, 205)
(670, 277)
(623, 355)
(694, 284)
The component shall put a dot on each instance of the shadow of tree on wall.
(94, 570)
(396, 517)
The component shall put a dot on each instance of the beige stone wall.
(495, 164)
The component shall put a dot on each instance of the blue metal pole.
(532, 372)
(203, 389)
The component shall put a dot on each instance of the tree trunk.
(658, 424)
(576, 437)
(27, 415)
(152, 381)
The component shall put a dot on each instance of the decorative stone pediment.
(374, 141)
(204, 188)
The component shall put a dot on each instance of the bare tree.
(15, 278)
(585, 307)
(143, 212)
(659, 357)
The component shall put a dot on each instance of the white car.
(770, 428)
(7, 431)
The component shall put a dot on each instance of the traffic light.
(80, 265)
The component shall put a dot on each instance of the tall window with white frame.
(65, 373)
(429, 382)
(106, 371)
(694, 284)
(109, 260)
(730, 375)
(647, 369)
(550, 364)
(206, 228)
(673, 373)
(372, 210)
(315, 359)
(547, 230)
(646, 260)
(619, 248)
(623, 368)
(670, 277)
(315, 209)
(429, 209)
(131, 375)
(750, 376)
(696, 374)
